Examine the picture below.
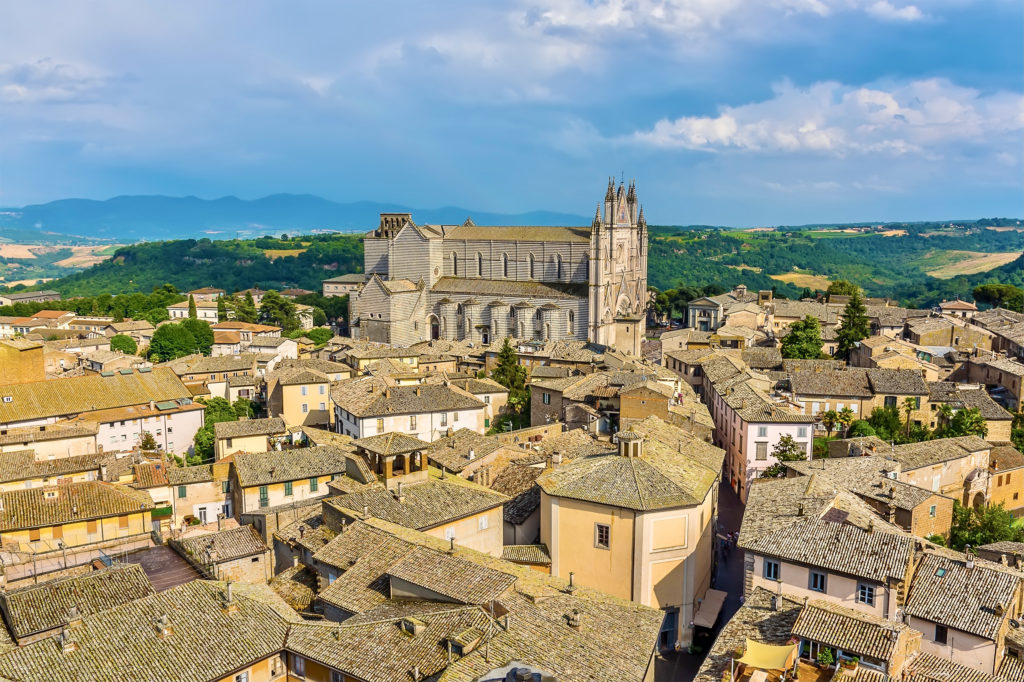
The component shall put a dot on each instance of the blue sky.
(741, 112)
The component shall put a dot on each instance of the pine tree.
(222, 309)
(192, 308)
(854, 327)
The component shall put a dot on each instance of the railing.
(23, 565)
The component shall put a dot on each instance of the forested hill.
(918, 264)
(268, 263)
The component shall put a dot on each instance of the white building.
(362, 407)
(205, 310)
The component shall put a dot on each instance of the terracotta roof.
(249, 427)
(519, 482)
(43, 607)
(852, 382)
(31, 508)
(263, 468)
(897, 381)
(945, 591)
(928, 668)
(851, 630)
(41, 399)
(200, 473)
(297, 586)
(926, 453)
(426, 505)
(525, 233)
(509, 288)
(21, 465)
(150, 474)
(960, 395)
(226, 545)
(390, 443)
(357, 398)
(453, 452)
(526, 554)
(450, 576)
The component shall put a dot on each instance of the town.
(506, 465)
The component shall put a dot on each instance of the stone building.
(475, 283)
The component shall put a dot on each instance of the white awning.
(710, 607)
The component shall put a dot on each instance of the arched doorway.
(435, 327)
(485, 335)
(979, 501)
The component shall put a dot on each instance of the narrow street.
(682, 667)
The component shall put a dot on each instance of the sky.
(726, 112)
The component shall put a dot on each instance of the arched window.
(479, 265)
(455, 265)
(459, 310)
(572, 323)
(558, 267)
(504, 265)
(533, 267)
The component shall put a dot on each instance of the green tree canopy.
(1001, 295)
(842, 287)
(171, 341)
(123, 343)
(202, 333)
(788, 450)
(980, 527)
(192, 314)
(966, 422)
(829, 419)
(860, 429)
(803, 340)
(278, 310)
(510, 374)
(320, 335)
(854, 327)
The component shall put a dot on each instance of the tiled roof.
(41, 399)
(200, 473)
(226, 545)
(926, 453)
(1008, 365)
(897, 381)
(351, 278)
(865, 476)
(762, 358)
(945, 591)
(851, 630)
(450, 576)
(357, 398)
(479, 386)
(390, 443)
(1005, 457)
(30, 508)
(453, 452)
(21, 465)
(43, 607)
(297, 586)
(519, 482)
(525, 233)
(316, 364)
(756, 620)
(526, 554)
(249, 427)
(928, 668)
(122, 645)
(150, 474)
(959, 395)
(426, 505)
(503, 287)
(850, 382)
(262, 468)
(199, 364)
(1006, 547)
(662, 476)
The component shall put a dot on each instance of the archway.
(435, 327)
(979, 501)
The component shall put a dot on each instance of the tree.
(202, 333)
(123, 343)
(192, 314)
(788, 450)
(967, 422)
(854, 326)
(279, 311)
(510, 374)
(860, 429)
(147, 441)
(845, 418)
(829, 419)
(245, 309)
(216, 410)
(243, 408)
(319, 317)
(980, 527)
(1001, 296)
(222, 309)
(841, 287)
(171, 341)
(886, 422)
(320, 335)
(803, 340)
(909, 405)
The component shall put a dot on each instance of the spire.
(631, 195)
(597, 214)
(610, 194)
(640, 219)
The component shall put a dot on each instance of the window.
(572, 322)
(479, 265)
(412, 422)
(264, 496)
(890, 401)
(33, 535)
(336, 676)
(941, 634)
(481, 524)
(602, 536)
(801, 432)
(287, 488)
(455, 416)
(305, 408)
(771, 569)
(487, 400)
(323, 407)
(558, 266)
(380, 426)
(58, 532)
(866, 594)
(546, 398)
(304, 390)
(299, 666)
(229, 442)
(323, 389)
(931, 511)
(242, 677)
(504, 265)
(533, 267)
(225, 486)
(90, 527)
(762, 452)
(122, 522)
(181, 492)
(314, 485)
(762, 431)
(444, 419)
(917, 403)
(817, 583)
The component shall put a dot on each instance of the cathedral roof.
(504, 287)
(525, 233)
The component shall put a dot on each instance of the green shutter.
(314, 485)
(181, 491)
(264, 496)
(225, 486)
(287, 488)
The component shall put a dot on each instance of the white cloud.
(883, 9)
(46, 81)
(922, 117)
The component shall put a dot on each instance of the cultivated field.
(281, 253)
(952, 263)
(802, 279)
(84, 256)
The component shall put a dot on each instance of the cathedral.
(477, 283)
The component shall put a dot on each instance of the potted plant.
(851, 663)
(825, 657)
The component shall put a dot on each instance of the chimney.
(574, 619)
(572, 584)
(871, 525)
(67, 645)
(399, 494)
(228, 602)
(74, 617)
(416, 390)
(163, 626)
(800, 509)
(451, 545)
(220, 521)
(295, 561)
(103, 472)
(775, 603)
(1003, 560)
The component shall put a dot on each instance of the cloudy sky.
(741, 112)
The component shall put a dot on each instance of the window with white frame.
(481, 523)
(299, 666)
(762, 431)
(866, 594)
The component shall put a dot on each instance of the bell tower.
(618, 270)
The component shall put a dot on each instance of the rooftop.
(226, 545)
(263, 468)
(249, 427)
(68, 502)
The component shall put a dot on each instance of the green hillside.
(886, 260)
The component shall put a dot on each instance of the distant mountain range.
(134, 218)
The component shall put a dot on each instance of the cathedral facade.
(477, 283)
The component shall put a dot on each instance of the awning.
(768, 656)
(710, 606)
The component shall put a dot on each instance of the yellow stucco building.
(637, 521)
